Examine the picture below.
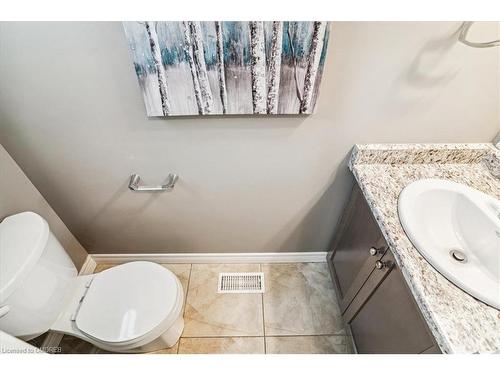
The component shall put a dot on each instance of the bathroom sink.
(457, 230)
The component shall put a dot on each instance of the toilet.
(133, 307)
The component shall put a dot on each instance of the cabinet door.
(384, 318)
(350, 260)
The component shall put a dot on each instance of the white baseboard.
(298, 257)
(88, 266)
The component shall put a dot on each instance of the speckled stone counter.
(459, 322)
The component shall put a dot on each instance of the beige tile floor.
(298, 313)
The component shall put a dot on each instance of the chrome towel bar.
(135, 180)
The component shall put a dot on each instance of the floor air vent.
(241, 282)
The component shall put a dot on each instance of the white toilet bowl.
(133, 307)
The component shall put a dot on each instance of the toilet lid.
(128, 301)
(22, 240)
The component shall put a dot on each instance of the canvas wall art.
(203, 68)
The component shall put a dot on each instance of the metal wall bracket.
(135, 180)
(464, 29)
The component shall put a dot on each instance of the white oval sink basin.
(457, 230)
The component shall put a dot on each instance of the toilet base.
(166, 340)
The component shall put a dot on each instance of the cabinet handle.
(380, 265)
(374, 251)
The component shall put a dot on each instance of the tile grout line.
(312, 335)
(263, 315)
(185, 304)
(187, 290)
(178, 345)
(256, 336)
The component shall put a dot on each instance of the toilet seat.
(129, 303)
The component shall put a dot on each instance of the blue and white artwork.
(204, 68)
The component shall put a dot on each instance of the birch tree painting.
(207, 68)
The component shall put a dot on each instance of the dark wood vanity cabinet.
(374, 298)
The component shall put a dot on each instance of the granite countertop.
(460, 323)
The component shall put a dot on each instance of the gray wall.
(18, 194)
(72, 116)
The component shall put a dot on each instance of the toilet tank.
(36, 276)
